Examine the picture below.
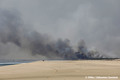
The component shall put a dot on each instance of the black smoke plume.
(18, 41)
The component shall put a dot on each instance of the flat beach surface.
(63, 70)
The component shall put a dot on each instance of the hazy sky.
(95, 21)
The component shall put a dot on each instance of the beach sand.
(63, 70)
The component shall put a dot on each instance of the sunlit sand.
(62, 70)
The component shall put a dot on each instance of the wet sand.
(63, 70)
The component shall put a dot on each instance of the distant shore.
(14, 62)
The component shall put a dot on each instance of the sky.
(97, 22)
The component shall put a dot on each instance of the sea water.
(13, 62)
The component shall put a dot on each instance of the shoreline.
(14, 62)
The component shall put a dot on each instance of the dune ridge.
(61, 70)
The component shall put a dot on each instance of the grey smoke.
(94, 21)
(16, 40)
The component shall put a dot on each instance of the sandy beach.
(63, 70)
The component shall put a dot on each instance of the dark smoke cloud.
(95, 21)
(19, 42)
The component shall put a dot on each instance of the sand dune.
(62, 70)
